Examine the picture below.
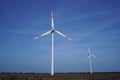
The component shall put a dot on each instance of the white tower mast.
(52, 60)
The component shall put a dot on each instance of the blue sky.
(95, 23)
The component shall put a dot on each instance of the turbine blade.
(89, 52)
(41, 35)
(63, 35)
(93, 55)
(52, 19)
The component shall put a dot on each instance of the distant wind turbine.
(52, 32)
(89, 57)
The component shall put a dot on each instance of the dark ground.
(60, 76)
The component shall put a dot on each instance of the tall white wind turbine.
(52, 32)
(89, 57)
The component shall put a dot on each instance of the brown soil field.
(60, 76)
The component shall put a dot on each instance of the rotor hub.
(52, 31)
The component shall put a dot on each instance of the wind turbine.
(52, 32)
(89, 57)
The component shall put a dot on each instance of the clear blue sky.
(88, 22)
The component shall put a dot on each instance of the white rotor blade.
(89, 52)
(63, 35)
(44, 34)
(92, 55)
(52, 19)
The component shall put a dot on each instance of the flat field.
(60, 76)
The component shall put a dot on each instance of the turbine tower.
(52, 32)
(89, 57)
